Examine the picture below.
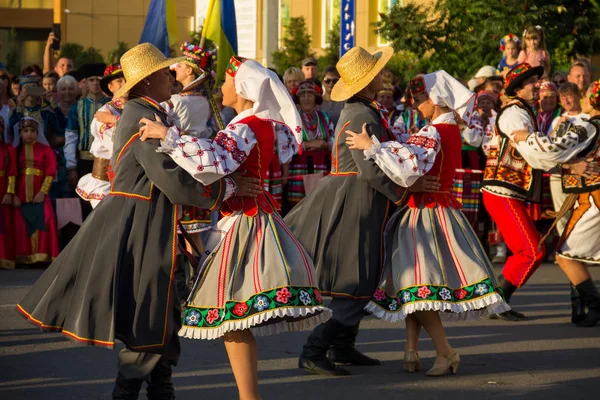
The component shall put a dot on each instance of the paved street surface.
(543, 358)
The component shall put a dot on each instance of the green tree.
(332, 51)
(462, 35)
(13, 62)
(81, 55)
(296, 46)
(114, 56)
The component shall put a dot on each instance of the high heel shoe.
(412, 362)
(451, 365)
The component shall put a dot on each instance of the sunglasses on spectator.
(330, 81)
(4, 77)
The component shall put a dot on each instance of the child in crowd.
(35, 232)
(8, 172)
(50, 88)
(534, 50)
(510, 45)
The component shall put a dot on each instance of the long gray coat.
(115, 279)
(341, 222)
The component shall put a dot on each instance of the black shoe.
(351, 356)
(577, 311)
(516, 314)
(508, 316)
(590, 320)
(321, 367)
(126, 389)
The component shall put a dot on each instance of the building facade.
(102, 24)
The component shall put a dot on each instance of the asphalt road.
(544, 357)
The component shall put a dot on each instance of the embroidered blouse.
(413, 156)
(478, 135)
(208, 160)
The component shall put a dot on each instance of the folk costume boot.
(343, 350)
(314, 353)
(160, 384)
(577, 306)
(508, 289)
(126, 389)
(589, 292)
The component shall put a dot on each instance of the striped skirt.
(434, 261)
(257, 276)
(273, 182)
(310, 162)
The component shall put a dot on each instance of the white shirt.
(412, 156)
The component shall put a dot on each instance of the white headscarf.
(271, 98)
(446, 91)
(40, 129)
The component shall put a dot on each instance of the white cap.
(485, 72)
(472, 84)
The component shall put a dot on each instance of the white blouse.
(208, 160)
(411, 157)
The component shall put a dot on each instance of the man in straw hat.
(341, 222)
(115, 279)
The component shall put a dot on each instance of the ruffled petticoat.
(434, 261)
(258, 276)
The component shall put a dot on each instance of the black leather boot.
(589, 292)
(126, 389)
(343, 350)
(160, 385)
(507, 291)
(577, 306)
(314, 353)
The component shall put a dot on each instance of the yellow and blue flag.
(160, 27)
(220, 27)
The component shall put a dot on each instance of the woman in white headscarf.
(435, 266)
(258, 279)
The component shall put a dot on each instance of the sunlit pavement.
(544, 357)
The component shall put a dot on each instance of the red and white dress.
(434, 260)
(257, 274)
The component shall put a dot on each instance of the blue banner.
(347, 26)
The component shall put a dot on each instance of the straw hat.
(140, 62)
(357, 69)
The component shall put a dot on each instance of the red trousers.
(520, 236)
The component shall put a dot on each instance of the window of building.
(330, 12)
(384, 7)
(46, 4)
(284, 18)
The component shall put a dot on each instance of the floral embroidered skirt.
(257, 277)
(434, 261)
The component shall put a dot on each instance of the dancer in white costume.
(435, 266)
(258, 279)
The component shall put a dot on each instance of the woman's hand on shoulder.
(152, 129)
(359, 141)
